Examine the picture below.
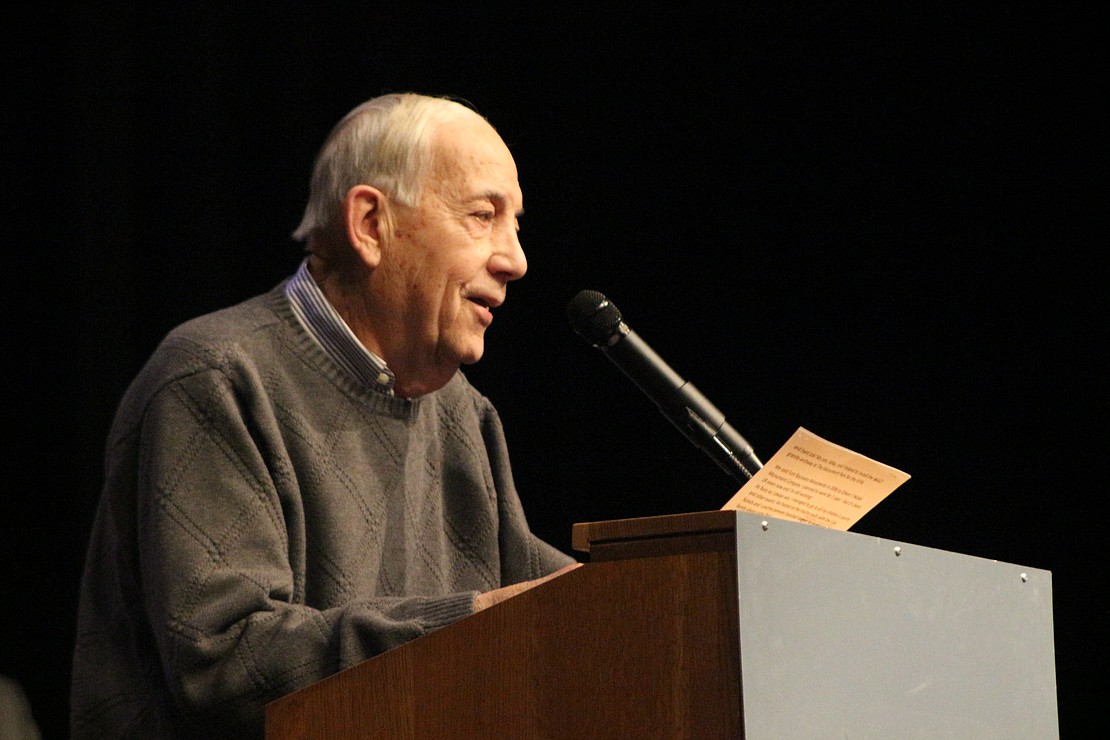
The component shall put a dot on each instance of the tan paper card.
(814, 481)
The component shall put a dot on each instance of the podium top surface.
(585, 535)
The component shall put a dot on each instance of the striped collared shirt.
(327, 327)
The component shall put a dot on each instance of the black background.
(883, 223)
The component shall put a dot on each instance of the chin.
(470, 352)
(471, 358)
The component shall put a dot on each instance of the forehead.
(468, 156)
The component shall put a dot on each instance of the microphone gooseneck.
(599, 322)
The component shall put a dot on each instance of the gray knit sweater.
(266, 521)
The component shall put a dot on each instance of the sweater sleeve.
(226, 607)
(524, 555)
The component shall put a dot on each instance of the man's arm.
(235, 623)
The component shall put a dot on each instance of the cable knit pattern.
(267, 520)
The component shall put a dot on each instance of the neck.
(346, 287)
(349, 290)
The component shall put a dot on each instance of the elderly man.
(305, 480)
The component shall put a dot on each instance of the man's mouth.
(485, 308)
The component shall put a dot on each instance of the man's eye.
(484, 216)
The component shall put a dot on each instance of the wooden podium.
(719, 624)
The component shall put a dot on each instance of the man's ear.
(363, 209)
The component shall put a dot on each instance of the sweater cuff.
(449, 609)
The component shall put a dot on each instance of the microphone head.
(593, 317)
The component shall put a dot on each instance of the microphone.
(600, 323)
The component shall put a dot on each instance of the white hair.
(383, 143)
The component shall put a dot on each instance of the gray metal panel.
(849, 636)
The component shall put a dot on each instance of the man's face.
(447, 261)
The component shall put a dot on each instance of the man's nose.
(508, 261)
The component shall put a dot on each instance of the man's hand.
(489, 598)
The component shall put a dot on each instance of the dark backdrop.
(884, 224)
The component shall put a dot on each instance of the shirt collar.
(327, 327)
